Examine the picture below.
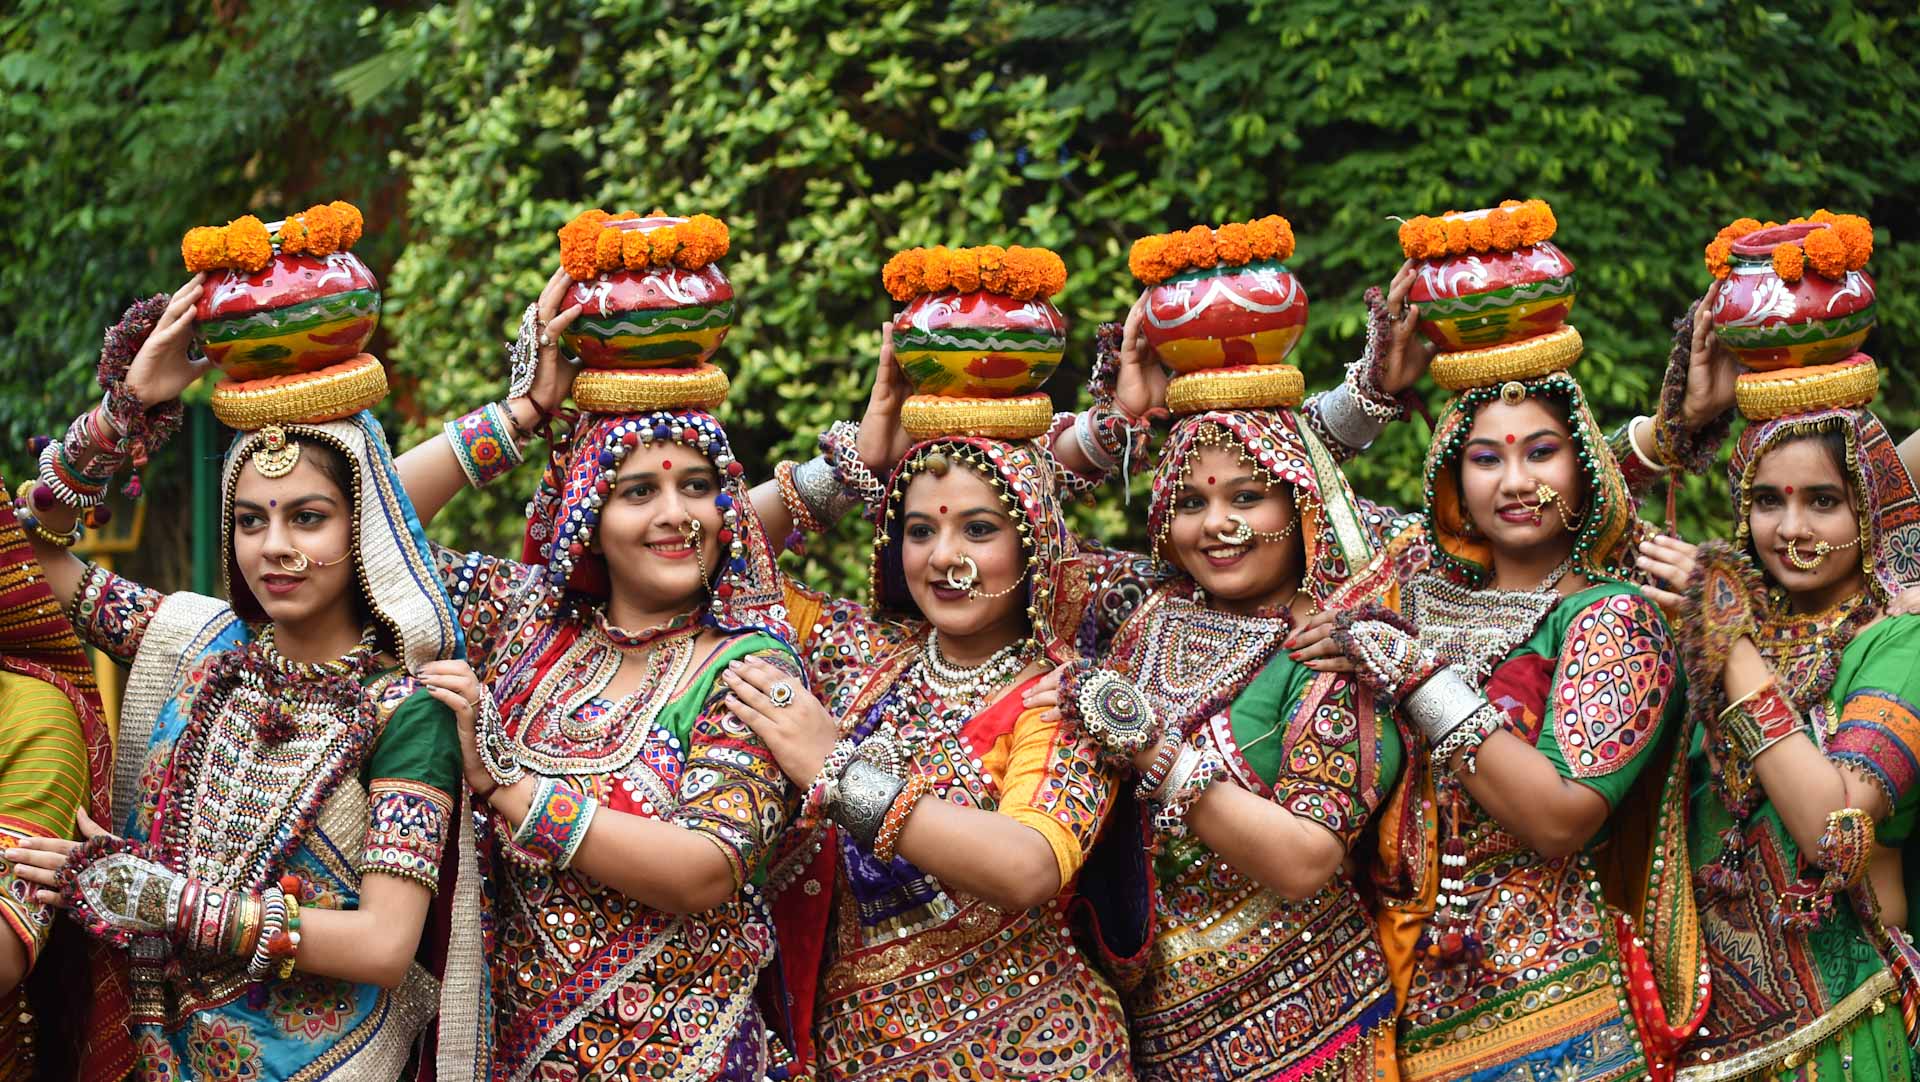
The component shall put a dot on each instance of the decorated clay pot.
(1483, 299)
(978, 345)
(660, 317)
(1770, 323)
(297, 314)
(1226, 317)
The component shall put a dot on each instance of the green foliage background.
(828, 133)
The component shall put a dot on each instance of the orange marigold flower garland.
(1154, 259)
(244, 243)
(1512, 225)
(590, 245)
(1021, 273)
(1845, 245)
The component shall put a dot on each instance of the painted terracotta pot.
(978, 345)
(1226, 317)
(297, 314)
(661, 317)
(1484, 299)
(1771, 323)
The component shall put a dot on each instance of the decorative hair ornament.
(1512, 225)
(277, 455)
(1154, 259)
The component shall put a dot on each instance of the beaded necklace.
(932, 702)
(1475, 630)
(284, 686)
(553, 740)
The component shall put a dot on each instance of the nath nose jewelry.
(1820, 551)
(300, 561)
(969, 581)
(1244, 532)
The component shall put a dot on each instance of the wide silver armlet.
(866, 792)
(1443, 703)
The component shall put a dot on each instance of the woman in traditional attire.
(1551, 942)
(284, 788)
(63, 997)
(628, 813)
(925, 933)
(1807, 696)
(1260, 771)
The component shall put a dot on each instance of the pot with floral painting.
(1796, 295)
(977, 336)
(651, 291)
(283, 298)
(1487, 278)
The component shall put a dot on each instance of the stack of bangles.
(840, 445)
(1179, 774)
(555, 826)
(813, 495)
(486, 442)
(1454, 717)
(825, 788)
(1111, 437)
(1759, 720)
(75, 472)
(873, 805)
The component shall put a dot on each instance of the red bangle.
(888, 836)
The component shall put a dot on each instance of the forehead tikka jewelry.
(277, 455)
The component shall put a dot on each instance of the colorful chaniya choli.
(236, 766)
(586, 981)
(890, 974)
(1516, 967)
(1233, 980)
(333, 796)
(1834, 996)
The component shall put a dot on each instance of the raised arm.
(488, 442)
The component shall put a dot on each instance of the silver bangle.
(1442, 704)
(1469, 734)
(865, 794)
(1090, 442)
(824, 496)
(1183, 767)
(1347, 419)
(522, 354)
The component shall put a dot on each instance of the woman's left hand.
(38, 860)
(1045, 693)
(1312, 645)
(798, 731)
(1140, 382)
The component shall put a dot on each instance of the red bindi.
(1789, 490)
(1209, 480)
(943, 508)
(666, 463)
(1509, 437)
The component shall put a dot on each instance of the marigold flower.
(1146, 259)
(1789, 262)
(323, 230)
(1720, 257)
(1480, 233)
(1196, 249)
(1052, 272)
(964, 266)
(578, 241)
(249, 248)
(703, 239)
(1234, 243)
(204, 248)
(1826, 252)
(1536, 221)
(636, 249)
(1456, 233)
(992, 261)
(292, 237)
(901, 276)
(1857, 234)
(936, 274)
(1503, 232)
(606, 250)
(352, 223)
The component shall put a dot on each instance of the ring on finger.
(780, 694)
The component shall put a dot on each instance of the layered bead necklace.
(556, 739)
(286, 688)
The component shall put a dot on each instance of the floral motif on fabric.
(1879, 733)
(1617, 667)
(1320, 769)
(406, 830)
(112, 613)
(222, 1049)
(153, 1058)
(311, 1008)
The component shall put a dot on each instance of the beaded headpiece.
(566, 510)
(1224, 312)
(1024, 479)
(285, 314)
(393, 565)
(1281, 451)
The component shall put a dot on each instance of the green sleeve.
(1616, 688)
(420, 742)
(43, 782)
(413, 784)
(1875, 707)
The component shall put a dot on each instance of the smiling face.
(276, 520)
(952, 513)
(1800, 495)
(643, 529)
(1511, 450)
(1238, 574)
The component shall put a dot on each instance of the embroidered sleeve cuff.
(406, 831)
(28, 920)
(111, 613)
(1328, 807)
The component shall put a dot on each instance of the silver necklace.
(1475, 630)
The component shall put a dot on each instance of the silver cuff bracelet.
(1442, 703)
(1340, 411)
(866, 792)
